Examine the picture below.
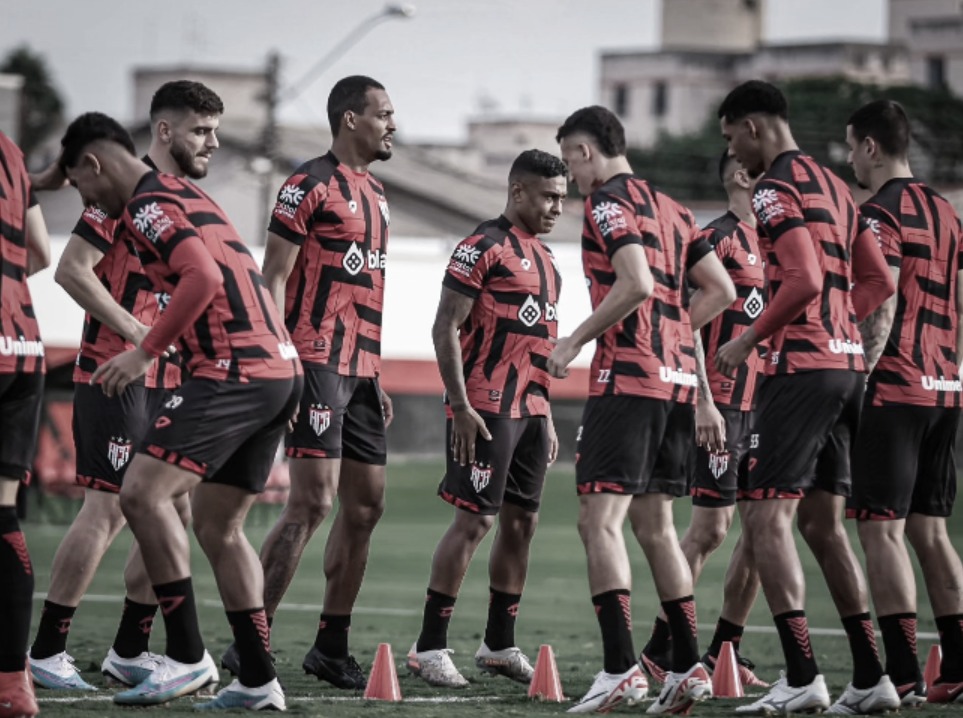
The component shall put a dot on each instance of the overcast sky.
(439, 67)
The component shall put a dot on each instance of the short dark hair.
(752, 97)
(186, 95)
(87, 128)
(538, 163)
(599, 123)
(886, 122)
(724, 161)
(349, 94)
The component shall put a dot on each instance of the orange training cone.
(545, 684)
(383, 681)
(932, 670)
(725, 676)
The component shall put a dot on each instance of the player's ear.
(164, 130)
(349, 120)
(751, 126)
(90, 160)
(741, 178)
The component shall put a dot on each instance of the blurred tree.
(41, 109)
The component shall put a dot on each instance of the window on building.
(660, 99)
(621, 100)
(936, 72)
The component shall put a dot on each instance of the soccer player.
(723, 421)
(809, 402)
(105, 277)
(325, 265)
(904, 464)
(218, 433)
(493, 333)
(638, 249)
(24, 250)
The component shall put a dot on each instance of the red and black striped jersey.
(919, 233)
(798, 193)
(21, 350)
(120, 271)
(240, 335)
(737, 246)
(507, 338)
(650, 353)
(335, 294)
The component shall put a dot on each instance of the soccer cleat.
(58, 673)
(945, 693)
(129, 671)
(747, 668)
(783, 699)
(266, 697)
(339, 672)
(881, 698)
(435, 668)
(16, 695)
(653, 667)
(613, 689)
(508, 662)
(231, 660)
(171, 679)
(681, 690)
(912, 695)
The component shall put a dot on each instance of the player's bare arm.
(715, 290)
(453, 310)
(633, 285)
(49, 178)
(710, 426)
(38, 241)
(875, 328)
(279, 258)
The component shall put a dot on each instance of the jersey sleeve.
(614, 223)
(470, 265)
(299, 200)
(778, 208)
(95, 228)
(159, 222)
(886, 230)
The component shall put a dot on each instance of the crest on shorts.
(118, 452)
(319, 417)
(718, 464)
(481, 475)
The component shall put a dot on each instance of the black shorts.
(803, 430)
(904, 462)
(716, 478)
(511, 467)
(634, 445)
(108, 430)
(226, 432)
(340, 416)
(21, 400)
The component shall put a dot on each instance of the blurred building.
(10, 88)
(932, 32)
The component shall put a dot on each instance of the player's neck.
(515, 218)
(161, 157)
(130, 171)
(349, 155)
(778, 139)
(739, 205)
(886, 171)
(613, 166)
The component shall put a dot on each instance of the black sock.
(681, 613)
(53, 630)
(434, 623)
(133, 633)
(252, 636)
(176, 599)
(867, 669)
(951, 640)
(725, 631)
(899, 639)
(660, 642)
(332, 638)
(17, 595)
(614, 611)
(502, 611)
(801, 668)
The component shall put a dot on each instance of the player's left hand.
(116, 373)
(387, 409)
(565, 351)
(49, 178)
(710, 427)
(733, 354)
(552, 442)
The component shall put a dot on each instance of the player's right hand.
(142, 331)
(710, 427)
(466, 426)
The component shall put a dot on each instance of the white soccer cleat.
(681, 690)
(881, 698)
(129, 671)
(58, 673)
(783, 699)
(171, 679)
(508, 662)
(613, 689)
(435, 668)
(266, 697)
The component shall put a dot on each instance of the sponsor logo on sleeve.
(383, 206)
(463, 259)
(767, 205)
(95, 215)
(163, 299)
(608, 217)
(289, 199)
(151, 222)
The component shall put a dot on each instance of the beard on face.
(187, 162)
(383, 155)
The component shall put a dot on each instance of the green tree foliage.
(41, 109)
(686, 166)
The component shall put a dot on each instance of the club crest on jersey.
(481, 476)
(319, 417)
(383, 206)
(753, 304)
(118, 452)
(718, 464)
(608, 217)
(353, 206)
(151, 222)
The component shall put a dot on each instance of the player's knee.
(472, 528)
(926, 533)
(822, 535)
(362, 517)
(134, 504)
(521, 527)
(707, 537)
